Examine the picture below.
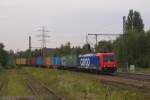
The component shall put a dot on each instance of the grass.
(81, 86)
(137, 70)
(15, 85)
(143, 70)
(68, 85)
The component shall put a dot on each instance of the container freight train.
(100, 62)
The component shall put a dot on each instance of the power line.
(43, 39)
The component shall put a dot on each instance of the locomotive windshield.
(108, 58)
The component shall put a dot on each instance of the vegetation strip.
(1, 87)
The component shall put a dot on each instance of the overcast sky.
(67, 20)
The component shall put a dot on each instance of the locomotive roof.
(92, 54)
(87, 55)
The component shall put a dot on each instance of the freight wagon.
(33, 61)
(47, 62)
(56, 62)
(39, 61)
(21, 61)
(69, 61)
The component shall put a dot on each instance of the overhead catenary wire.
(96, 38)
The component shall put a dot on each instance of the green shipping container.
(69, 61)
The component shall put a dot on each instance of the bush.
(3, 57)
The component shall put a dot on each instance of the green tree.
(63, 50)
(105, 46)
(1, 46)
(77, 50)
(133, 47)
(3, 56)
(87, 48)
(134, 21)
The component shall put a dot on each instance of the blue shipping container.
(39, 61)
(89, 61)
(56, 61)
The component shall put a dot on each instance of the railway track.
(38, 89)
(140, 81)
(121, 82)
(135, 76)
(124, 80)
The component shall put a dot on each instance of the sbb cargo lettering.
(85, 62)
